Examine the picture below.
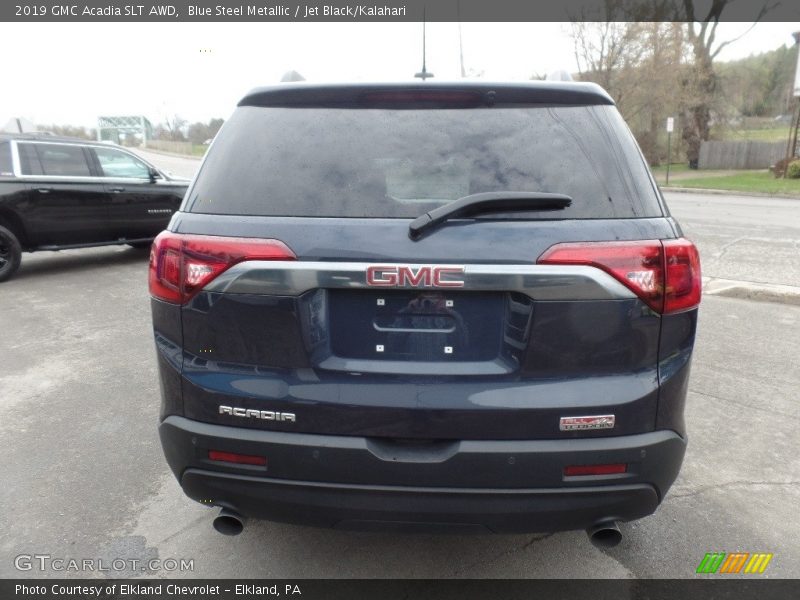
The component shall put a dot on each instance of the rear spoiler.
(412, 95)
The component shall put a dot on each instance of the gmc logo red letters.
(405, 276)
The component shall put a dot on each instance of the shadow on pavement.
(67, 261)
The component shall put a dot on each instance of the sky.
(75, 72)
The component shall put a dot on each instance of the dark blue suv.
(439, 306)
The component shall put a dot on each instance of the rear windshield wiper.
(487, 202)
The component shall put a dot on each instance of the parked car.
(459, 307)
(58, 193)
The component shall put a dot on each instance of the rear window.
(337, 162)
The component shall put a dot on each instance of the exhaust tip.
(229, 522)
(605, 535)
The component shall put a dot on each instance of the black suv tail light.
(664, 274)
(182, 264)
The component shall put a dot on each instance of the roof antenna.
(460, 40)
(424, 74)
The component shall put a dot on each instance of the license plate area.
(429, 326)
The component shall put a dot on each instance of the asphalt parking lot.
(83, 474)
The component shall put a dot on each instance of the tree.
(700, 84)
(70, 131)
(656, 78)
(172, 129)
(603, 52)
(639, 64)
(759, 85)
(199, 133)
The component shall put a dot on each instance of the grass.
(661, 171)
(743, 181)
(771, 134)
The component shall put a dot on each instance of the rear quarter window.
(6, 167)
(336, 162)
(120, 164)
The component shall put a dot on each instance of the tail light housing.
(664, 274)
(684, 283)
(182, 264)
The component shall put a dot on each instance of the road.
(171, 163)
(745, 238)
(83, 475)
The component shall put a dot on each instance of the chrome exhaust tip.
(229, 522)
(605, 534)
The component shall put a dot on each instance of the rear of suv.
(456, 307)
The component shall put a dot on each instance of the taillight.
(182, 264)
(684, 282)
(664, 274)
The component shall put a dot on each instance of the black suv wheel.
(10, 254)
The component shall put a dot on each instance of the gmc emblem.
(405, 276)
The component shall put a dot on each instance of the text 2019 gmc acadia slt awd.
(457, 307)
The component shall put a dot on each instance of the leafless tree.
(173, 128)
(603, 52)
(639, 64)
(700, 85)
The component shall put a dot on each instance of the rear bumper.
(358, 483)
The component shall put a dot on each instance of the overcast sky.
(72, 73)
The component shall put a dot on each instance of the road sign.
(670, 129)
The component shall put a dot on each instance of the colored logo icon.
(734, 562)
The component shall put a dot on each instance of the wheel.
(140, 245)
(10, 254)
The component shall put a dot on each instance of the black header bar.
(396, 10)
(744, 588)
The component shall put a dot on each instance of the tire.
(10, 254)
(140, 245)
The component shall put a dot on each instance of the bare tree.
(173, 128)
(603, 51)
(700, 85)
(639, 64)
(199, 133)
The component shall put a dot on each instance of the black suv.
(459, 307)
(58, 193)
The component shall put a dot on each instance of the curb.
(715, 192)
(748, 290)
